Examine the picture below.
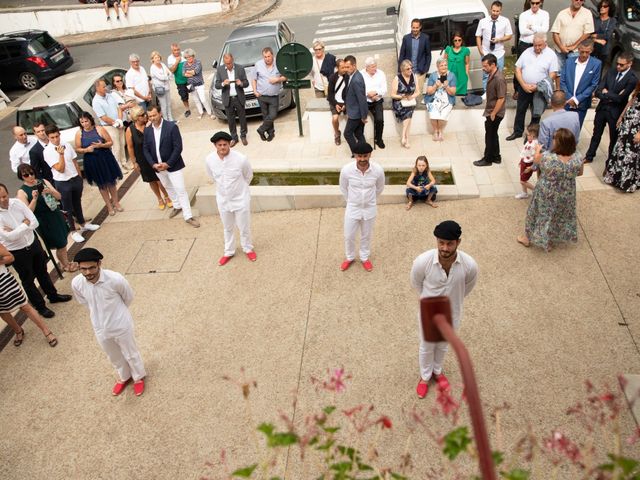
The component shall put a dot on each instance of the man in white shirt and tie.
(19, 152)
(108, 295)
(232, 174)
(491, 35)
(361, 181)
(442, 271)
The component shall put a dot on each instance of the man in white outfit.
(108, 295)
(442, 271)
(19, 152)
(232, 174)
(360, 183)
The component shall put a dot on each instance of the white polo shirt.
(536, 67)
(52, 158)
(19, 153)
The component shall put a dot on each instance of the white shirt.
(429, 279)
(231, 75)
(318, 79)
(530, 23)
(22, 234)
(232, 175)
(375, 83)
(157, 132)
(172, 60)
(19, 153)
(361, 189)
(503, 28)
(108, 300)
(580, 69)
(52, 158)
(137, 79)
(536, 67)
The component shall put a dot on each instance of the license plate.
(252, 103)
(58, 56)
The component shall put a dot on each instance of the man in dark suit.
(613, 92)
(232, 80)
(163, 150)
(356, 104)
(417, 49)
(580, 79)
(36, 155)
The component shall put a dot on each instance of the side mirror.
(392, 11)
(215, 64)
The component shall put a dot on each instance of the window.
(108, 78)
(248, 52)
(42, 43)
(14, 50)
(441, 29)
(64, 116)
(631, 10)
(4, 55)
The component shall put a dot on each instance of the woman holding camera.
(440, 97)
(42, 199)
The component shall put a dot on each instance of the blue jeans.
(485, 75)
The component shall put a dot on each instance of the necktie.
(618, 77)
(493, 35)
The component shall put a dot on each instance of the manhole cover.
(161, 256)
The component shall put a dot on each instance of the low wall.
(91, 18)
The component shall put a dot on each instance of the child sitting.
(526, 160)
(421, 184)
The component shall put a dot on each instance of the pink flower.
(385, 422)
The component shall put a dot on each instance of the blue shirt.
(555, 121)
(415, 43)
(106, 105)
(263, 74)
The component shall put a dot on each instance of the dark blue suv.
(30, 58)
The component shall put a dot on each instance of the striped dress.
(11, 295)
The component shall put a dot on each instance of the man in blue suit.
(355, 101)
(580, 79)
(417, 49)
(163, 150)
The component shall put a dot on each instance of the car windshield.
(249, 51)
(64, 116)
(632, 10)
(41, 43)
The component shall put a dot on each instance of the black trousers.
(71, 192)
(31, 263)
(269, 109)
(376, 109)
(603, 117)
(236, 108)
(491, 140)
(354, 132)
(524, 103)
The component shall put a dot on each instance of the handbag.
(160, 91)
(471, 100)
(408, 103)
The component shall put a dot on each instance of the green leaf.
(397, 476)
(342, 467)
(516, 474)
(326, 446)
(456, 442)
(329, 410)
(626, 464)
(282, 439)
(245, 472)
(363, 467)
(498, 457)
(266, 428)
(331, 429)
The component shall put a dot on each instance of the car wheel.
(28, 81)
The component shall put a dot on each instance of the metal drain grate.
(161, 256)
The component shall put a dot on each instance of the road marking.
(355, 27)
(369, 12)
(370, 43)
(344, 22)
(375, 33)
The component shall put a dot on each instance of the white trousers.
(241, 218)
(430, 355)
(165, 104)
(200, 98)
(117, 135)
(173, 183)
(124, 356)
(351, 227)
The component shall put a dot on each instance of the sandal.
(71, 267)
(523, 241)
(409, 205)
(19, 338)
(337, 138)
(161, 205)
(54, 341)
(168, 203)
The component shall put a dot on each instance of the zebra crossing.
(348, 33)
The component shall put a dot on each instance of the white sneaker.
(76, 237)
(90, 226)
(522, 196)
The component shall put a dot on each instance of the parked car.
(30, 58)
(440, 20)
(61, 101)
(246, 44)
(626, 35)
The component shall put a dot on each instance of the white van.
(440, 19)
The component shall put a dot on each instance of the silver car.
(246, 44)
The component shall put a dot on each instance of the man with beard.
(442, 271)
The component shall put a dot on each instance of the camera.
(443, 78)
(40, 188)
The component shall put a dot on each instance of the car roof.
(21, 34)
(254, 30)
(438, 8)
(66, 88)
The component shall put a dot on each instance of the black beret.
(221, 136)
(88, 255)
(448, 230)
(362, 148)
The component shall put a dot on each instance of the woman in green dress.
(458, 58)
(551, 217)
(42, 199)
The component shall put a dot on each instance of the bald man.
(19, 152)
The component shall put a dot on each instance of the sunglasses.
(29, 174)
(457, 39)
(318, 49)
(621, 64)
(536, 3)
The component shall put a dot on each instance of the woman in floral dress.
(622, 169)
(551, 217)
